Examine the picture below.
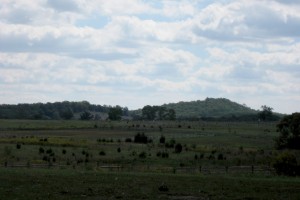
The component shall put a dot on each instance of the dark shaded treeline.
(210, 109)
(57, 110)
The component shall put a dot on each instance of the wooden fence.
(267, 170)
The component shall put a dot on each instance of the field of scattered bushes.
(199, 156)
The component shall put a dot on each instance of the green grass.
(198, 138)
(72, 184)
(80, 172)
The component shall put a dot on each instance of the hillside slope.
(208, 108)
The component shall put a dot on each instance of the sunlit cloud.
(137, 52)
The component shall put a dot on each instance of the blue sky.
(133, 52)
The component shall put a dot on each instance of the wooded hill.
(209, 109)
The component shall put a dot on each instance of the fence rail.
(251, 169)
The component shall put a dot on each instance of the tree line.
(60, 110)
(86, 111)
(158, 113)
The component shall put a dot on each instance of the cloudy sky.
(137, 52)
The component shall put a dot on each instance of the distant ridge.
(210, 108)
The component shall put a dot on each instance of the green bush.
(64, 151)
(18, 146)
(41, 150)
(178, 148)
(162, 139)
(102, 153)
(286, 164)
(143, 155)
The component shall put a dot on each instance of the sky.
(149, 52)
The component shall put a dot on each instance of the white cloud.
(173, 50)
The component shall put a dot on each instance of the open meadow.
(43, 159)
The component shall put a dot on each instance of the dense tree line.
(158, 113)
(208, 110)
(57, 110)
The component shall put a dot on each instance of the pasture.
(101, 160)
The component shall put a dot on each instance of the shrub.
(18, 146)
(162, 139)
(102, 153)
(141, 138)
(45, 158)
(162, 154)
(143, 155)
(128, 140)
(211, 157)
(170, 144)
(49, 151)
(163, 188)
(201, 156)
(286, 164)
(41, 150)
(220, 157)
(178, 148)
(64, 151)
(165, 155)
(119, 150)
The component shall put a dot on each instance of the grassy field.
(73, 184)
(94, 160)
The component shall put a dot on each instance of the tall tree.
(115, 113)
(66, 113)
(266, 113)
(148, 112)
(86, 115)
(289, 128)
(172, 114)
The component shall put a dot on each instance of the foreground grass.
(72, 184)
